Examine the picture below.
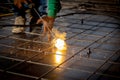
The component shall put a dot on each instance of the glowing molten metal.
(60, 44)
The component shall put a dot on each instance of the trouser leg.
(19, 20)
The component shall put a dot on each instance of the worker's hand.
(19, 3)
(47, 24)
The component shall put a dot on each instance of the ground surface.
(93, 41)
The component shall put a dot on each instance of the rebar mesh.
(93, 52)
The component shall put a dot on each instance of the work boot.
(19, 21)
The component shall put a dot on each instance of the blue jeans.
(40, 6)
(43, 7)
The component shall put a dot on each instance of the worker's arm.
(54, 7)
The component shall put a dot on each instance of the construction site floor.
(93, 49)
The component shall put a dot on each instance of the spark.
(60, 44)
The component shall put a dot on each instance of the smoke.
(58, 34)
(59, 39)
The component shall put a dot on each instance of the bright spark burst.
(60, 44)
(59, 40)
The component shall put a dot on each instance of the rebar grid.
(71, 57)
(7, 70)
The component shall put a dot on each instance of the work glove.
(19, 3)
(47, 25)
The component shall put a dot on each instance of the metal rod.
(11, 25)
(85, 30)
(27, 61)
(74, 55)
(36, 63)
(37, 13)
(43, 24)
(103, 42)
(14, 66)
(23, 75)
(48, 52)
(118, 51)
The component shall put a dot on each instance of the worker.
(54, 7)
(47, 9)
